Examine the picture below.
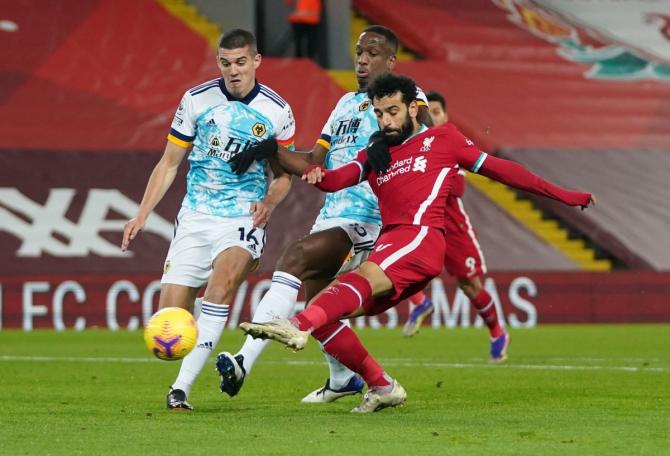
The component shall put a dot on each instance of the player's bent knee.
(471, 287)
(357, 281)
(221, 291)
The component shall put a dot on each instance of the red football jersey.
(423, 170)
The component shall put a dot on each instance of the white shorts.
(363, 237)
(199, 238)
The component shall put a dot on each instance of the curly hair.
(388, 84)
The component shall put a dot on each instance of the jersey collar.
(246, 100)
(421, 130)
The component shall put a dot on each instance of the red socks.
(342, 343)
(486, 308)
(417, 298)
(335, 302)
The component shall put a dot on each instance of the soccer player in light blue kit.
(349, 222)
(220, 229)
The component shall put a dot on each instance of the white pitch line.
(397, 362)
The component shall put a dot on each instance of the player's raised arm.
(515, 175)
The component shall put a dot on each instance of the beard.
(396, 136)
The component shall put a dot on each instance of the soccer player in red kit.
(411, 247)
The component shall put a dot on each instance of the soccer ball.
(171, 333)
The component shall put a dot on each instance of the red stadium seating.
(109, 75)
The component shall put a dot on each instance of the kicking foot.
(279, 329)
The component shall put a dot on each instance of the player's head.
(437, 107)
(394, 99)
(238, 58)
(375, 54)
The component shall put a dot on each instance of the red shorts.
(464, 258)
(411, 256)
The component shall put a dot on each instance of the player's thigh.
(173, 295)
(235, 247)
(230, 268)
(380, 283)
(409, 255)
(463, 258)
(331, 242)
(188, 261)
(318, 255)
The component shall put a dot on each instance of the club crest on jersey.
(420, 164)
(258, 129)
(363, 106)
(166, 267)
(427, 142)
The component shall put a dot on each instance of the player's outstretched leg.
(281, 330)
(423, 307)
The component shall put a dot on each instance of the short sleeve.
(327, 131)
(286, 130)
(182, 131)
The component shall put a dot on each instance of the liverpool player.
(411, 247)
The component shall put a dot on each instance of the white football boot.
(279, 329)
(379, 398)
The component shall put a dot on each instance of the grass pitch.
(565, 390)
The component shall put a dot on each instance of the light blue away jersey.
(219, 126)
(347, 132)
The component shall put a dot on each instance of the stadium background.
(578, 93)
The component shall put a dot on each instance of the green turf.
(566, 390)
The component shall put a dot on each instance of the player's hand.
(592, 202)
(261, 213)
(314, 174)
(262, 150)
(379, 155)
(130, 230)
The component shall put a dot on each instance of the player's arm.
(297, 162)
(279, 187)
(333, 180)
(517, 176)
(160, 180)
